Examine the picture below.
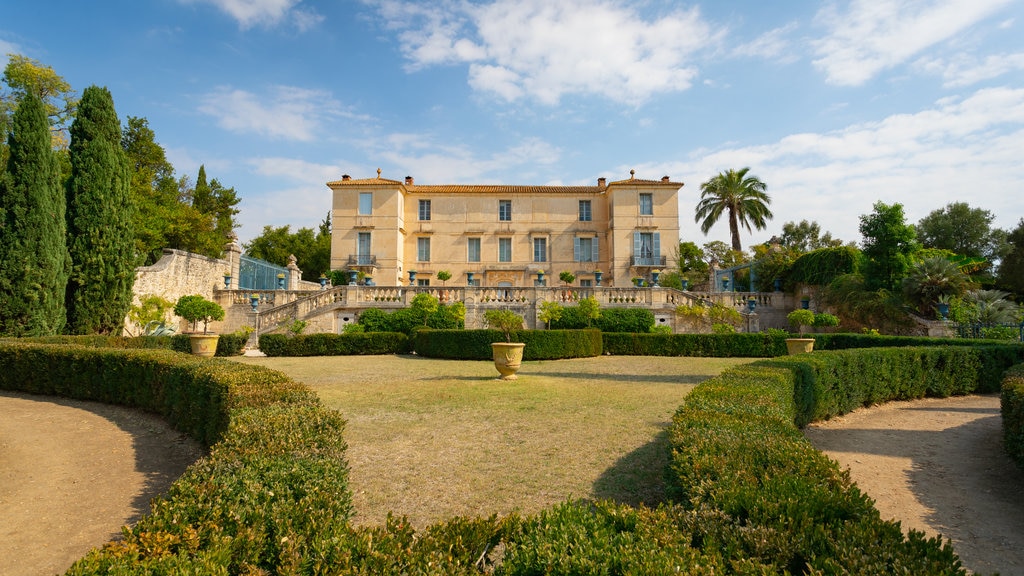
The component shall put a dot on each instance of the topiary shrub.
(626, 320)
(1011, 402)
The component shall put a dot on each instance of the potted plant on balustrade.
(195, 309)
(508, 355)
(800, 319)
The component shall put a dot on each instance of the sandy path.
(72, 473)
(938, 466)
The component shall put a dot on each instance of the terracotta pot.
(508, 357)
(799, 345)
(204, 344)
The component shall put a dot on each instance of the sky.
(835, 105)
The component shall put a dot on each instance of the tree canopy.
(888, 246)
(1011, 270)
(807, 236)
(741, 197)
(312, 250)
(34, 260)
(23, 75)
(963, 230)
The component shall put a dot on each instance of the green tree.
(888, 246)
(100, 213)
(807, 236)
(34, 261)
(216, 204)
(550, 311)
(23, 75)
(742, 197)
(961, 229)
(590, 308)
(1011, 268)
(930, 279)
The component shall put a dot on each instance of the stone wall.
(178, 274)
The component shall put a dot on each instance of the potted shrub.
(825, 321)
(800, 319)
(195, 309)
(508, 355)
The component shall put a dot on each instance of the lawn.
(431, 439)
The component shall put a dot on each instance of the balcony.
(356, 260)
(641, 261)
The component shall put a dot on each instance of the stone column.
(294, 274)
(233, 252)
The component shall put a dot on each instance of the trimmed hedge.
(227, 345)
(476, 344)
(334, 344)
(273, 490)
(759, 345)
(736, 449)
(1011, 404)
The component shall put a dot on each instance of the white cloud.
(874, 35)
(965, 149)
(251, 13)
(964, 70)
(545, 50)
(773, 44)
(287, 112)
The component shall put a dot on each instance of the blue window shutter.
(594, 250)
(657, 246)
(637, 249)
(576, 249)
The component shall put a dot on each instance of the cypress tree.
(100, 212)
(33, 255)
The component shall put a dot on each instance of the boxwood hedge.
(1012, 407)
(334, 344)
(540, 344)
(751, 495)
(227, 345)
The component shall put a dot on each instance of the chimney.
(664, 179)
(601, 182)
(409, 181)
(345, 177)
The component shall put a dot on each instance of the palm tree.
(742, 196)
(931, 278)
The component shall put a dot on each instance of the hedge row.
(476, 344)
(273, 490)
(737, 450)
(761, 345)
(227, 345)
(1012, 407)
(334, 344)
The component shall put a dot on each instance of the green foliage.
(504, 320)
(824, 265)
(408, 320)
(476, 344)
(312, 250)
(888, 246)
(719, 328)
(444, 276)
(932, 279)
(100, 213)
(590, 308)
(825, 320)
(1011, 269)
(960, 229)
(550, 311)
(806, 236)
(34, 259)
(740, 196)
(696, 345)
(353, 329)
(348, 344)
(217, 205)
(26, 76)
(296, 327)
(1011, 402)
(771, 263)
(151, 311)
(194, 308)
(423, 305)
(736, 451)
(858, 305)
(567, 277)
(626, 320)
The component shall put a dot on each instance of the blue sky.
(835, 105)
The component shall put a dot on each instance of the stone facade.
(503, 235)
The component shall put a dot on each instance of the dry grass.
(431, 439)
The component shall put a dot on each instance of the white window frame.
(423, 249)
(504, 210)
(504, 249)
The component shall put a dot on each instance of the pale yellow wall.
(537, 211)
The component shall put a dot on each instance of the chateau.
(400, 233)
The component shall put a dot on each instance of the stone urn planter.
(508, 357)
(799, 345)
(204, 344)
